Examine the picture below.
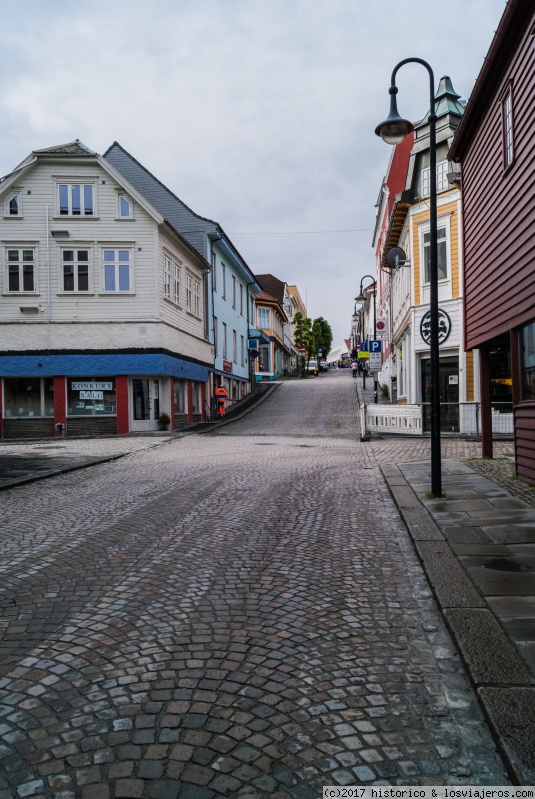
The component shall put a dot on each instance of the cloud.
(257, 113)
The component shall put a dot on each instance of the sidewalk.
(477, 548)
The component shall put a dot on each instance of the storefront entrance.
(448, 386)
(145, 403)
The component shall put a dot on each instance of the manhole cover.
(504, 565)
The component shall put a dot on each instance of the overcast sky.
(259, 114)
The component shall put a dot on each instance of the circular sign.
(380, 325)
(444, 327)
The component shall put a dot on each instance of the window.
(189, 293)
(167, 267)
(234, 346)
(442, 178)
(75, 270)
(91, 396)
(527, 349)
(75, 199)
(233, 291)
(180, 396)
(176, 283)
(117, 271)
(13, 205)
(263, 318)
(241, 299)
(214, 272)
(224, 331)
(442, 254)
(242, 350)
(21, 270)
(215, 336)
(125, 207)
(196, 298)
(28, 396)
(223, 282)
(507, 121)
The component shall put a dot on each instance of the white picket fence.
(462, 418)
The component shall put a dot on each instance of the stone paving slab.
(492, 596)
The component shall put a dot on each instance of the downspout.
(252, 283)
(48, 262)
(213, 306)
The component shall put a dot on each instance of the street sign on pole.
(375, 346)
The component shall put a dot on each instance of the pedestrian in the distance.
(354, 367)
(221, 394)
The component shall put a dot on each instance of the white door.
(145, 403)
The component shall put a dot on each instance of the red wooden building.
(495, 146)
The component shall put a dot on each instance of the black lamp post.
(393, 130)
(362, 298)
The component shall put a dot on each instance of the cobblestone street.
(238, 614)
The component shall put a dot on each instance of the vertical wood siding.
(499, 213)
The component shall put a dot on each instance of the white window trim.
(13, 193)
(75, 181)
(442, 180)
(443, 223)
(123, 196)
(116, 292)
(167, 276)
(17, 245)
(74, 246)
(508, 128)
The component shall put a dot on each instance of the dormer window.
(76, 199)
(442, 178)
(13, 205)
(125, 207)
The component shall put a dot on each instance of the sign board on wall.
(92, 386)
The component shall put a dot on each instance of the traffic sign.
(374, 361)
(375, 346)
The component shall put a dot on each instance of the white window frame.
(214, 271)
(223, 282)
(442, 178)
(234, 292)
(20, 248)
(189, 293)
(507, 128)
(262, 311)
(177, 283)
(443, 226)
(117, 263)
(124, 197)
(197, 298)
(242, 350)
(81, 183)
(75, 262)
(241, 299)
(234, 346)
(215, 336)
(7, 205)
(167, 273)
(224, 337)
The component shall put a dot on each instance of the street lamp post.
(362, 298)
(393, 131)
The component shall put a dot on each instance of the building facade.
(102, 309)
(494, 147)
(272, 352)
(229, 287)
(404, 289)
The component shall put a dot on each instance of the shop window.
(91, 396)
(180, 396)
(28, 396)
(264, 360)
(528, 361)
(196, 398)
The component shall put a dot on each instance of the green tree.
(322, 337)
(303, 337)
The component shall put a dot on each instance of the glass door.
(145, 403)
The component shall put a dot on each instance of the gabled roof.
(75, 147)
(272, 285)
(190, 225)
(268, 298)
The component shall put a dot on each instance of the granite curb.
(503, 682)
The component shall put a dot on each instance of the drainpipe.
(48, 261)
(213, 308)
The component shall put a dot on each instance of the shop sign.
(92, 386)
(91, 395)
(227, 366)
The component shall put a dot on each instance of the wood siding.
(499, 212)
(470, 381)
(525, 440)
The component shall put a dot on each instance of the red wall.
(121, 387)
(60, 403)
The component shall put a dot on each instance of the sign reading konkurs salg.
(92, 386)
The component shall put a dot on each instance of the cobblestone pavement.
(237, 614)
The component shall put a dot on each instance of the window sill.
(21, 294)
(125, 219)
(80, 218)
(117, 294)
(13, 216)
(77, 293)
(172, 303)
(194, 315)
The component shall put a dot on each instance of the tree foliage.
(312, 336)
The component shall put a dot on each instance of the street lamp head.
(361, 297)
(394, 129)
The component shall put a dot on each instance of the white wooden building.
(102, 303)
